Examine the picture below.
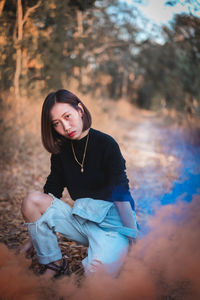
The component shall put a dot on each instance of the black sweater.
(104, 175)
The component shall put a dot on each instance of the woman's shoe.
(63, 269)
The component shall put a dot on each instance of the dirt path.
(152, 167)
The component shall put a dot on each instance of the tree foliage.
(174, 68)
(96, 43)
(193, 5)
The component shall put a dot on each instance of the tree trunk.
(79, 34)
(2, 3)
(18, 36)
(19, 26)
(125, 85)
(79, 15)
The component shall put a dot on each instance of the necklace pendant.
(84, 153)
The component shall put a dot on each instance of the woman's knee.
(32, 199)
(34, 205)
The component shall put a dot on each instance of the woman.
(90, 165)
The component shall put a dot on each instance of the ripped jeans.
(93, 223)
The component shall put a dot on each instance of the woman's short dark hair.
(53, 141)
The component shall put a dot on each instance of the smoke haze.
(164, 264)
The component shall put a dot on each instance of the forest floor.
(148, 143)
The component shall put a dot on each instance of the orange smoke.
(162, 265)
(15, 280)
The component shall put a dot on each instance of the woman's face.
(67, 121)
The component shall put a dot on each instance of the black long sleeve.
(104, 175)
(117, 181)
(55, 181)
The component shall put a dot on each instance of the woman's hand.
(131, 243)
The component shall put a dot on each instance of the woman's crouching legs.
(46, 216)
(107, 250)
(43, 237)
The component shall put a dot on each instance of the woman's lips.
(71, 134)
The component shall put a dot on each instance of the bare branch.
(79, 16)
(101, 49)
(2, 3)
(30, 10)
(15, 33)
(19, 20)
(89, 30)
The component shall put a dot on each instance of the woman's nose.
(66, 126)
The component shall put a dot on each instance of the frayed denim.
(90, 222)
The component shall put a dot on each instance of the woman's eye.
(55, 124)
(67, 116)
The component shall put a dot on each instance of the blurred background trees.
(47, 44)
(172, 70)
(104, 50)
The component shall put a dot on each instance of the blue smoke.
(188, 184)
(151, 194)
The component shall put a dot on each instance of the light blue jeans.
(93, 223)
